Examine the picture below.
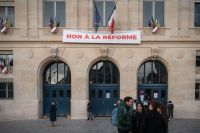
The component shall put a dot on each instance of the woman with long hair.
(137, 118)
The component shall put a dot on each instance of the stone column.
(184, 18)
(133, 12)
(73, 14)
(78, 85)
(21, 15)
(83, 14)
(32, 18)
(121, 9)
(171, 17)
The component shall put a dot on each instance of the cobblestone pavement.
(99, 125)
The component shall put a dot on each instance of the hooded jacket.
(124, 117)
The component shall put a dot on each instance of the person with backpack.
(114, 120)
(124, 114)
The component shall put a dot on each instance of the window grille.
(6, 89)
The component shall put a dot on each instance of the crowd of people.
(132, 116)
(140, 118)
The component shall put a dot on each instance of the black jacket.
(89, 107)
(136, 120)
(170, 107)
(153, 122)
(53, 110)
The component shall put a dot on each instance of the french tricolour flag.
(111, 22)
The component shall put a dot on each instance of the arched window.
(57, 73)
(152, 72)
(104, 72)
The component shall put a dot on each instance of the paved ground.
(99, 125)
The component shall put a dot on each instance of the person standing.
(137, 118)
(89, 110)
(163, 111)
(124, 115)
(53, 111)
(170, 108)
(153, 122)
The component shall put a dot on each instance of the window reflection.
(57, 73)
(47, 77)
(61, 76)
(104, 72)
(154, 73)
(93, 72)
(148, 72)
(108, 75)
(100, 72)
(141, 75)
(54, 73)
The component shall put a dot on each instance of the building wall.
(34, 47)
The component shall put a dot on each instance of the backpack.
(114, 119)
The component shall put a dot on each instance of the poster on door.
(155, 94)
(142, 96)
(107, 95)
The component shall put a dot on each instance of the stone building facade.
(33, 47)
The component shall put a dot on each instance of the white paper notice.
(142, 98)
(155, 95)
(107, 95)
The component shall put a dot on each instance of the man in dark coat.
(170, 108)
(89, 110)
(53, 110)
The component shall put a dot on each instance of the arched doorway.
(103, 87)
(152, 81)
(57, 88)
